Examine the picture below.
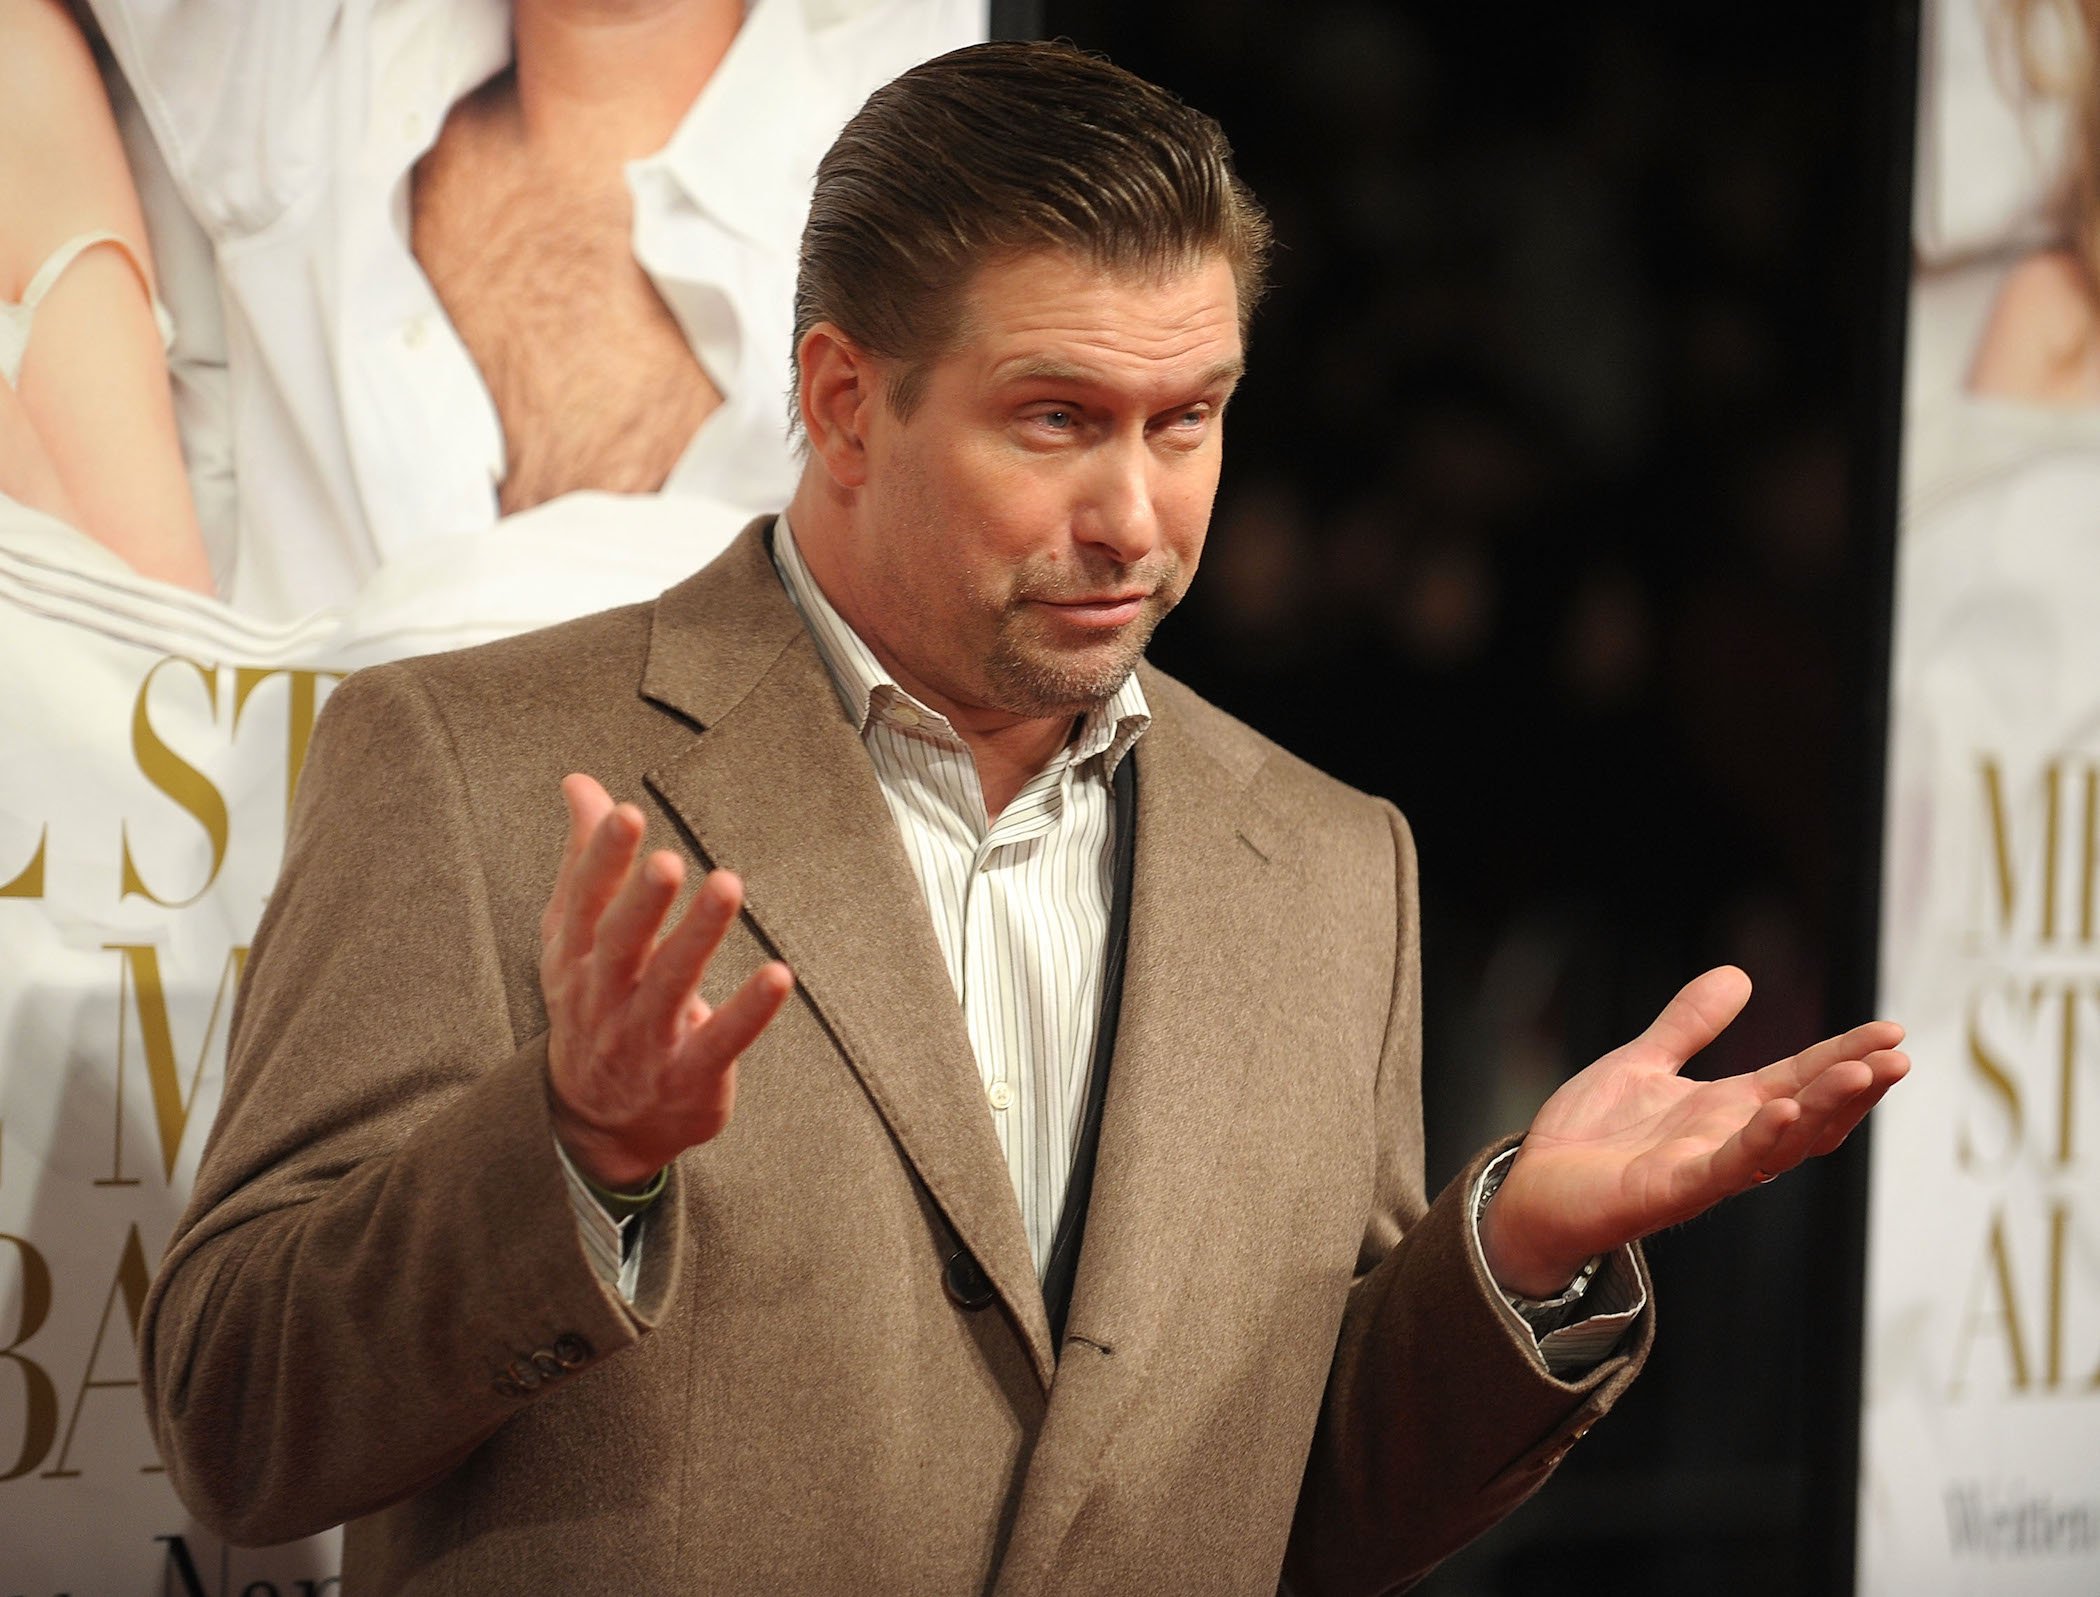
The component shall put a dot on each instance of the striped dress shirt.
(1020, 903)
(1020, 906)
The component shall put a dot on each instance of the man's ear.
(839, 389)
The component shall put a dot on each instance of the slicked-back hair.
(1000, 150)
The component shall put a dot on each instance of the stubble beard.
(1034, 678)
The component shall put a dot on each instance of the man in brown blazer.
(549, 1275)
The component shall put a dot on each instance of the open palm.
(1630, 1145)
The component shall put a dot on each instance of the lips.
(1106, 610)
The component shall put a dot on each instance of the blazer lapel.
(778, 788)
(1202, 927)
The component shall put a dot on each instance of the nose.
(1120, 514)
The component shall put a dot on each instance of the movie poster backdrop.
(1981, 1426)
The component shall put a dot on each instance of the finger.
(1836, 1087)
(1831, 1106)
(600, 872)
(1888, 1068)
(629, 925)
(1698, 1014)
(736, 1024)
(1788, 1076)
(681, 958)
(1826, 1102)
(1752, 1156)
(586, 801)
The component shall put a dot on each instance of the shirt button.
(415, 330)
(904, 715)
(1001, 1094)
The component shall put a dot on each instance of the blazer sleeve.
(1439, 1416)
(379, 1263)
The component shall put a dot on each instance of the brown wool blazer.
(1280, 1360)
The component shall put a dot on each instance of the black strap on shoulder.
(1063, 1268)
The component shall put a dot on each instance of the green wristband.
(626, 1205)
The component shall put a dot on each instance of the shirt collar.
(870, 695)
(759, 102)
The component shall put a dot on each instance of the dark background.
(1558, 508)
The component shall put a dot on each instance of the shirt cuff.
(610, 1224)
(1579, 1328)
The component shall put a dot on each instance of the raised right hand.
(639, 1067)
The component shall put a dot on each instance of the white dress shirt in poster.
(362, 430)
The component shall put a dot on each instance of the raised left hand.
(1630, 1146)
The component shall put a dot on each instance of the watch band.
(1542, 1314)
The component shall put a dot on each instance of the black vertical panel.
(1017, 19)
(1888, 135)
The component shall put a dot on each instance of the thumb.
(1698, 1014)
(588, 803)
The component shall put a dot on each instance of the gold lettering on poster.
(2028, 1031)
(1995, 817)
(1993, 1284)
(2089, 878)
(40, 1406)
(2064, 1249)
(2032, 1036)
(141, 989)
(305, 708)
(181, 781)
(2053, 1326)
(2067, 1074)
(2035, 901)
(1995, 1075)
(28, 882)
(130, 1282)
(2059, 1042)
(2052, 832)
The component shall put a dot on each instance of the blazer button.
(967, 1284)
(522, 1372)
(571, 1351)
(506, 1387)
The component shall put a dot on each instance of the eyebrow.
(1043, 368)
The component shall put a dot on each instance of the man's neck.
(1008, 757)
(601, 80)
(1008, 749)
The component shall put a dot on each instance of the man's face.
(1022, 533)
